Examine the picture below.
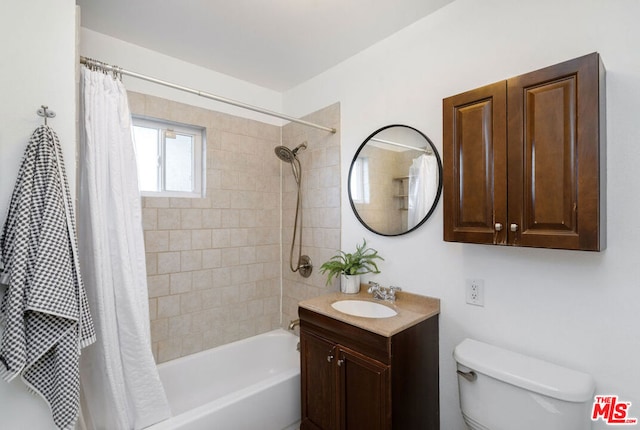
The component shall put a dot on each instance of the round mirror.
(395, 180)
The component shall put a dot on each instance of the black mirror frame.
(438, 193)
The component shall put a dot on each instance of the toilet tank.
(504, 390)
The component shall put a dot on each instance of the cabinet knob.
(340, 362)
(329, 358)
(498, 226)
(514, 227)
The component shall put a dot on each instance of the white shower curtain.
(423, 185)
(120, 383)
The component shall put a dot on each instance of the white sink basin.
(361, 308)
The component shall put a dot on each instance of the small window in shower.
(360, 181)
(170, 158)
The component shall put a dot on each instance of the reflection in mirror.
(395, 180)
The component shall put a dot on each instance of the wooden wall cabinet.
(354, 379)
(524, 160)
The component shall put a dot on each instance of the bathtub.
(250, 384)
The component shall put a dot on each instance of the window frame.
(198, 159)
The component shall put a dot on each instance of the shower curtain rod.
(388, 142)
(118, 70)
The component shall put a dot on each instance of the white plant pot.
(350, 284)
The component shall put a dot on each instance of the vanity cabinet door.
(364, 394)
(341, 388)
(318, 383)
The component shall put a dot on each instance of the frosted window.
(179, 163)
(169, 157)
(360, 181)
(147, 153)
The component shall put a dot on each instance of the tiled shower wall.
(213, 263)
(383, 212)
(387, 210)
(320, 206)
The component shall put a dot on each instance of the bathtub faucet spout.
(294, 323)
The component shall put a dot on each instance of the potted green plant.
(350, 266)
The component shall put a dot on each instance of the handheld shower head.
(284, 154)
(304, 266)
(288, 155)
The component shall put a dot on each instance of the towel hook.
(46, 113)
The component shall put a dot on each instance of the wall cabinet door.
(475, 170)
(555, 193)
(524, 159)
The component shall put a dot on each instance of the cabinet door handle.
(514, 227)
(498, 226)
(340, 362)
(329, 358)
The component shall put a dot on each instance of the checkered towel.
(44, 308)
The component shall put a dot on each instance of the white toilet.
(504, 390)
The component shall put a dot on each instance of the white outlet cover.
(474, 292)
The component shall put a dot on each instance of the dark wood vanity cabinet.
(343, 389)
(524, 159)
(354, 379)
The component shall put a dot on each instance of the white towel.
(44, 307)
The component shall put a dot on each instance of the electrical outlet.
(475, 292)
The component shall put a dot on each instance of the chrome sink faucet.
(382, 293)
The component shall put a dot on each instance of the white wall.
(577, 309)
(37, 66)
(144, 61)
